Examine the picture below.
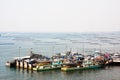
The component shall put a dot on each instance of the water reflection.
(105, 73)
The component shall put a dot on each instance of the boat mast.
(53, 50)
(66, 48)
(100, 48)
(83, 49)
(19, 52)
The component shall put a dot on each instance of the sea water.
(14, 44)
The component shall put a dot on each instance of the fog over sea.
(48, 44)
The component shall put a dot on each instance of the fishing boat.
(46, 66)
(72, 68)
(81, 65)
(10, 63)
(116, 59)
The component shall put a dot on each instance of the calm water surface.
(51, 43)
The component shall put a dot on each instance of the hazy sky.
(59, 15)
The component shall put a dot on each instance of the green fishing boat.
(46, 66)
(80, 68)
(85, 65)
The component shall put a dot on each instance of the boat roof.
(24, 57)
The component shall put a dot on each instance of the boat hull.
(81, 68)
(46, 69)
(10, 64)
